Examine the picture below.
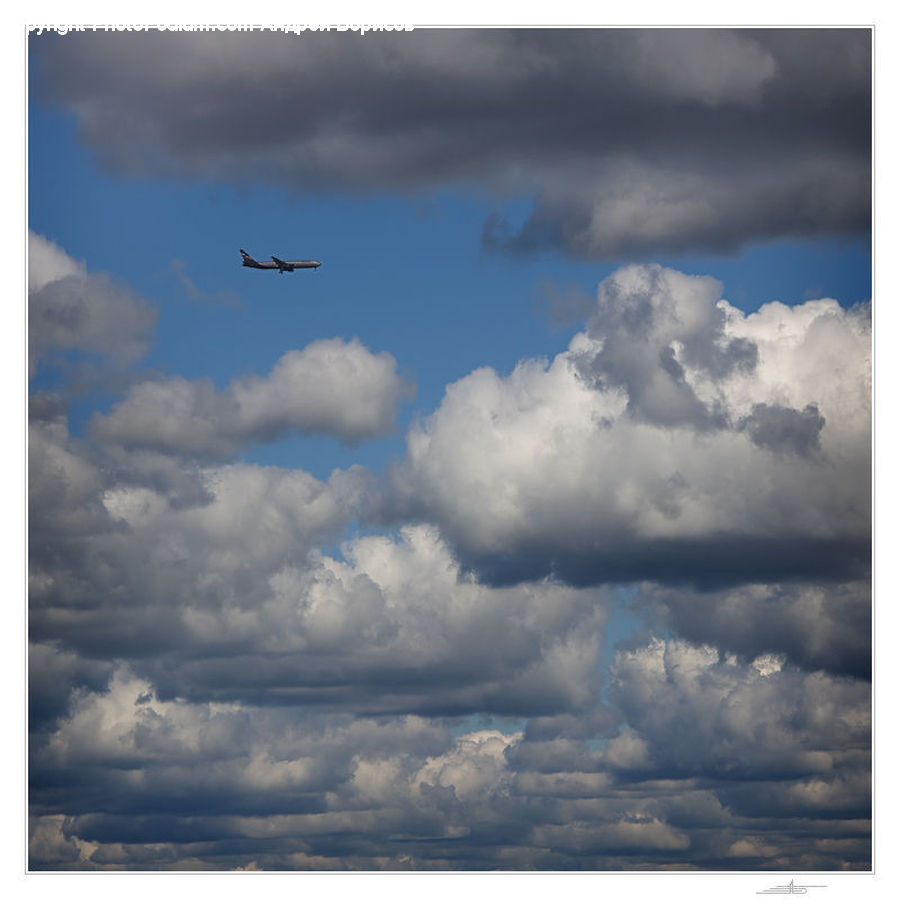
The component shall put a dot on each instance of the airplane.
(278, 264)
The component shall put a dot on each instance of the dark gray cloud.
(53, 675)
(718, 562)
(783, 429)
(630, 141)
(815, 626)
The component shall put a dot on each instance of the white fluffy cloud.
(330, 387)
(677, 438)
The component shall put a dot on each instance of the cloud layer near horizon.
(629, 142)
(348, 792)
(215, 684)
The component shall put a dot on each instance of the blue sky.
(428, 557)
(406, 273)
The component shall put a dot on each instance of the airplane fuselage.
(278, 264)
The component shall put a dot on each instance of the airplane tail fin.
(247, 258)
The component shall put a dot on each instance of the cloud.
(242, 700)
(630, 142)
(818, 626)
(47, 263)
(224, 596)
(677, 439)
(236, 523)
(642, 315)
(330, 387)
(627, 208)
(143, 545)
(216, 684)
(746, 721)
(783, 429)
(53, 674)
(70, 309)
(146, 781)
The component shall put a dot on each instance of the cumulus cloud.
(747, 721)
(630, 141)
(70, 309)
(222, 592)
(216, 684)
(178, 629)
(330, 387)
(155, 782)
(642, 316)
(87, 565)
(676, 439)
(47, 263)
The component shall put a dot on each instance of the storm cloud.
(629, 142)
